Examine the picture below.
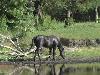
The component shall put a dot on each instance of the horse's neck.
(60, 45)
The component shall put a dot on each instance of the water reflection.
(52, 69)
(20, 70)
(49, 69)
(37, 69)
(62, 70)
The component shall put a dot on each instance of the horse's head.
(62, 49)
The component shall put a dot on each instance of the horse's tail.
(32, 43)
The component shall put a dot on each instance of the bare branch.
(30, 51)
(8, 38)
(15, 50)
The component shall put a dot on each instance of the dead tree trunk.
(37, 12)
(67, 19)
(96, 15)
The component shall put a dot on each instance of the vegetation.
(84, 53)
(74, 19)
(21, 16)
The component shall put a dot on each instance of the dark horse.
(51, 42)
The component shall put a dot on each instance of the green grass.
(78, 53)
(84, 53)
(89, 30)
(86, 30)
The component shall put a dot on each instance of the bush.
(47, 24)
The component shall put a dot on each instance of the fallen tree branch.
(8, 38)
(6, 47)
(30, 51)
(17, 50)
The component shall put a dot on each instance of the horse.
(52, 42)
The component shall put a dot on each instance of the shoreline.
(57, 61)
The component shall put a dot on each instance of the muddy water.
(50, 69)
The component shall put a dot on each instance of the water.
(50, 69)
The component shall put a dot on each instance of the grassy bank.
(88, 30)
(79, 53)
(84, 53)
(77, 31)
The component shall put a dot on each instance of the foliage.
(17, 19)
(48, 24)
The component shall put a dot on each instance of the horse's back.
(41, 37)
(46, 41)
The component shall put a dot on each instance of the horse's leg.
(54, 53)
(50, 52)
(61, 53)
(39, 55)
(35, 54)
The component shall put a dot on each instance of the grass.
(76, 31)
(84, 52)
(89, 30)
(78, 53)
(86, 30)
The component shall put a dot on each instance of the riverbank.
(77, 55)
(57, 61)
(83, 38)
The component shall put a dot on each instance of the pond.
(50, 69)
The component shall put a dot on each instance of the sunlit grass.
(85, 30)
(84, 53)
(77, 31)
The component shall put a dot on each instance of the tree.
(38, 12)
(96, 5)
(59, 9)
(85, 5)
(16, 16)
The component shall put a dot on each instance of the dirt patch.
(80, 42)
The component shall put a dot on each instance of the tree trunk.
(69, 14)
(37, 12)
(96, 14)
(67, 19)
